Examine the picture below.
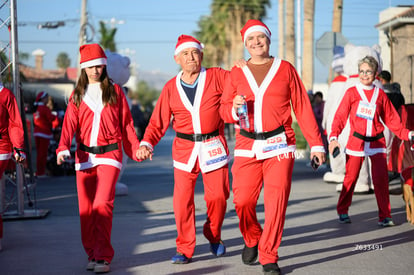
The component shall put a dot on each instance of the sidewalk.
(144, 233)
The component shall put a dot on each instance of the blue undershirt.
(190, 90)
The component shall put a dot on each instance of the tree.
(146, 95)
(63, 60)
(223, 31)
(308, 30)
(281, 24)
(107, 37)
(290, 32)
(212, 36)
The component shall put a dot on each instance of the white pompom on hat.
(186, 41)
(254, 25)
(91, 55)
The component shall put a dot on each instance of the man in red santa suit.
(192, 98)
(265, 149)
(365, 105)
(43, 120)
(99, 115)
(11, 134)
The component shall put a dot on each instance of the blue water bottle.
(243, 116)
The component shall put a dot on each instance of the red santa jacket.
(11, 127)
(96, 124)
(44, 121)
(401, 156)
(357, 100)
(202, 117)
(269, 107)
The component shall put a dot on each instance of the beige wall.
(403, 71)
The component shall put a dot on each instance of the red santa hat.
(91, 55)
(254, 26)
(187, 41)
(40, 96)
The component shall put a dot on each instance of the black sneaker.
(344, 218)
(272, 268)
(249, 255)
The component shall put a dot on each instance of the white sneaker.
(102, 267)
(121, 189)
(91, 265)
(330, 177)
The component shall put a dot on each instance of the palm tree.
(228, 17)
(308, 28)
(290, 32)
(281, 24)
(107, 37)
(63, 60)
(211, 34)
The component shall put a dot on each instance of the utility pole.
(82, 31)
(337, 16)
(17, 93)
(336, 26)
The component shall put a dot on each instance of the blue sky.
(151, 27)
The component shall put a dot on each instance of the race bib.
(212, 152)
(275, 143)
(366, 110)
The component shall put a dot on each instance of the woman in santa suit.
(43, 121)
(98, 114)
(365, 105)
(192, 99)
(264, 151)
(11, 134)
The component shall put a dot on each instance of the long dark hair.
(109, 95)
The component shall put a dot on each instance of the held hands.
(238, 101)
(144, 153)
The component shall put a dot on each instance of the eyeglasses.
(366, 72)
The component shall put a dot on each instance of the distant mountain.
(155, 79)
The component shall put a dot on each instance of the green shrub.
(300, 139)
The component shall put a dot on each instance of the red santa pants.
(249, 175)
(379, 179)
(42, 146)
(216, 193)
(96, 194)
(406, 175)
(3, 166)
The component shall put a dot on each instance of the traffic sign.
(325, 45)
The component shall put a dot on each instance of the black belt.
(198, 137)
(365, 138)
(99, 149)
(264, 135)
